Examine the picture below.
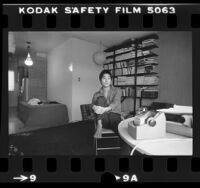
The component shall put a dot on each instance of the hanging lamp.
(28, 61)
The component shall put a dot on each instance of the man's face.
(106, 80)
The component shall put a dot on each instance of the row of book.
(144, 43)
(147, 61)
(149, 42)
(129, 55)
(141, 80)
(125, 56)
(108, 66)
(122, 50)
(127, 92)
(140, 92)
(131, 70)
(140, 70)
(147, 92)
(109, 60)
(123, 64)
(125, 71)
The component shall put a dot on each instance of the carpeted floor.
(71, 139)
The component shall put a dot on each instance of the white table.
(171, 144)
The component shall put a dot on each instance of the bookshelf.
(133, 65)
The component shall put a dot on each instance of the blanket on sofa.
(44, 115)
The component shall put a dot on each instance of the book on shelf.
(109, 60)
(141, 80)
(140, 70)
(124, 64)
(139, 53)
(131, 70)
(122, 80)
(118, 65)
(146, 52)
(149, 88)
(147, 92)
(115, 81)
(150, 80)
(119, 51)
(146, 61)
(124, 71)
(122, 50)
(118, 72)
(105, 67)
(130, 63)
(108, 66)
(132, 54)
(127, 92)
(125, 61)
(125, 56)
(149, 42)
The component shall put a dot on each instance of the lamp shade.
(99, 57)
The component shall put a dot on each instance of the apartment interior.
(65, 74)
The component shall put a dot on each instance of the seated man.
(106, 104)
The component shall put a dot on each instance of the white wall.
(88, 73)
(64, 86)
(59, 78)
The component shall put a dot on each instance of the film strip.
(23, 167)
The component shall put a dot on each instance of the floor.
(15, 125)
(71, 139)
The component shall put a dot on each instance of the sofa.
(43, 115)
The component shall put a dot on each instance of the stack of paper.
(178, 109)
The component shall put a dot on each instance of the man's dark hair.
(104, 72)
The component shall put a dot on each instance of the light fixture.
(71, 67)
(99, 57)
(28, 61)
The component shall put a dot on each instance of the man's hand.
(98, 109)
(101, 110)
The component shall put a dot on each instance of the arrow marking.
(21, 178)
(117, 177)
